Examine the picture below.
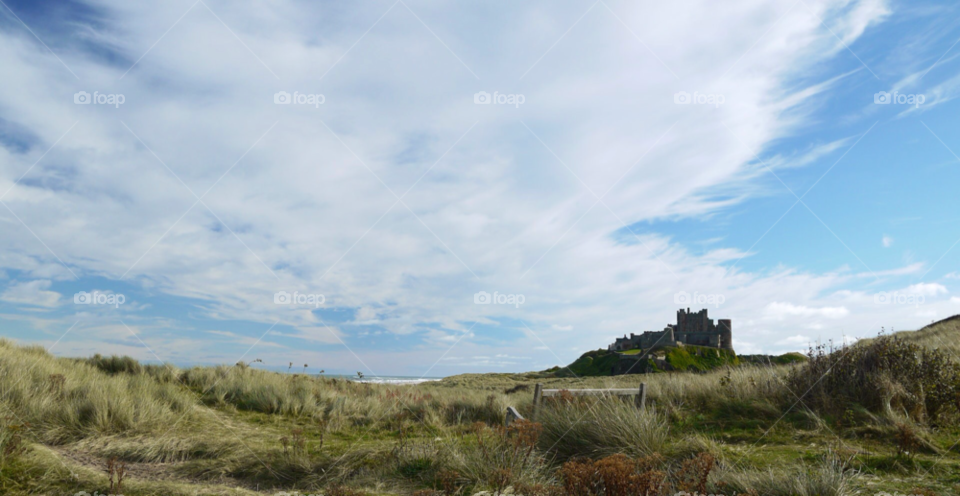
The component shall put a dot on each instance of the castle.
(694, 329)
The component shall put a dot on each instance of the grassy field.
(880, 416)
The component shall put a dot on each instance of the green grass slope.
(594, 363)
(600, 363)
(701, 359)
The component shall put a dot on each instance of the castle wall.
(652, 339)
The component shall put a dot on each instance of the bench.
(539, 393)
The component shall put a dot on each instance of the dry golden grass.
(205, 430)
(943, 335)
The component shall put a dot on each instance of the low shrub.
(887, 376)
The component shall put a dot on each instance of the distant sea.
(388, 379)
(372, 379)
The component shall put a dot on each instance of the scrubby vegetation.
(880, 415)
(887, 376)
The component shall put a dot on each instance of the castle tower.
(725, 327)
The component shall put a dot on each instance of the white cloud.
(245, 340)
(366, 315)
(926, 289)
(913, 268)
(32, 293)
(798, 340)
(887, 241)
(509, 205)
(780, 311)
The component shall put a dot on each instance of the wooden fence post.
(642, 396)
(512, 416)
(537, 398)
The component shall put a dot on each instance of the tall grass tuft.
(602, 427)
(829, 478)
(500, 457)
(67, 400)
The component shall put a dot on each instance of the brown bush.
(500, 479)
(449, 482)
(516, 389)
(693, 474)
(615, 475)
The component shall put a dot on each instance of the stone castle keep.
(694, 329)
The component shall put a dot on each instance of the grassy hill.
(697, 358)
(594, 363)
(784, 359)
(600, 363)
(236, 430)
(943, 334)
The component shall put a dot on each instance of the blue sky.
(793, 202)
